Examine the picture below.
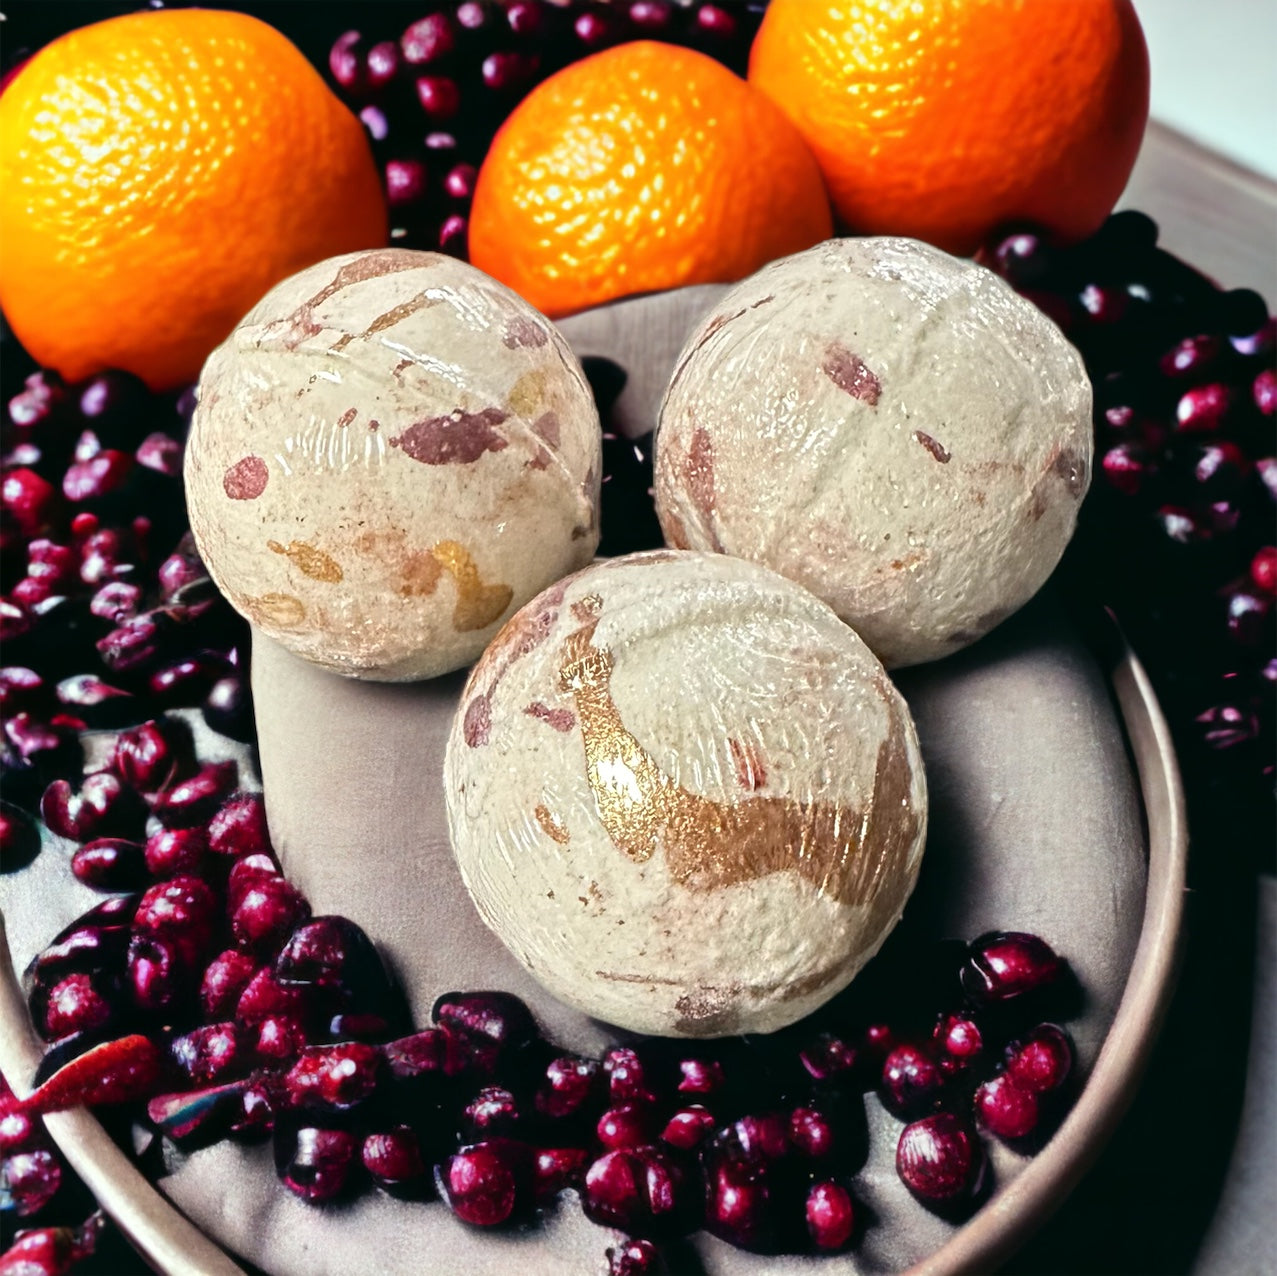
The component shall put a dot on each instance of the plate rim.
(172, 1244)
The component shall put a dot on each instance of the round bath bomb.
(390, 454)
(893, 428)
(685, 795)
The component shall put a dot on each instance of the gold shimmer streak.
(550, 825)
(309, 561)
(276, 609)
(478, 605)
(847, 856)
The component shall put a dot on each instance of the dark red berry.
(1006, 964)
(479, 1184)
(1006, 1108)
(912, 1081)
(831, 1216)
(626, 1126)
(941, 1161)
(644, 1191)
(1042, 1060)
(688, 1127)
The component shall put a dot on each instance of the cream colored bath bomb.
(391, 453)
(685, 795)
(893, 428)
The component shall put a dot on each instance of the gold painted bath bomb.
(893, 428)
(685, 795)
(391, 453)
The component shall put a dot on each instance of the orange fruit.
(943, 119)
(644, 167)
(158, 173)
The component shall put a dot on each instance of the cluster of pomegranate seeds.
(433, 93)
(1177, 534)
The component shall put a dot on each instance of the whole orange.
(644, 167)
(943, 119)
(158, 173)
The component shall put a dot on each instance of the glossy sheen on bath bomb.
(685, 795)
(391, 453)
(893, 428)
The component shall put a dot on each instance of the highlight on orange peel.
(158, 173)
(640, 168)
(945, 119)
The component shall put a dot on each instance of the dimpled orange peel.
(641, 168)
(158, 173)
(944, 119)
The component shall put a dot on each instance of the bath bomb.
(685, 795)
(890, 426)
(391, 454)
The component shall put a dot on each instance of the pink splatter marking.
(547, 428)
(850, 374)
(560, 719)
(347, 417)
(458, 439)
(522, 331)
(936, 448)
(246, 480)
(477, 723)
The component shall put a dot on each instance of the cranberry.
(193, 800)
(176, 851)
(958, 1041)
(97, 477)
(1204, 409)
(554, 1169)
(19, 839)
(100, 807)
(266, 914)
(700, 1076)
(75, 1004)
(941, 1161)
(265, 997)
(494, 1110)
(831, 1216)
(316, 1163)
(571, 1083)
(1041, 1061)
(225, 979)
(161, 453)
(640, 1190)
(498, 1017)
(406, 182)
(183, 909)
(1263, 569)
(393, 1157)
(95, 701)
(346, 62)
(635, 1257)
(738, 1203)
(688, 1127)
(214, 1052)
(1006, 964)
(912, 1081)
(1006, 1108)
(480, 1183)
(280, 1037)
(439, 97)
(239, 827)
(427, 40)
(29, 501)
(110, 864)
(335, 1077)
(827, 1057)
(626, 1126)
(32, 1179)
(812, 1133)
(157, 976)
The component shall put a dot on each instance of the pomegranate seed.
(266, 914)
(1007, 964)
(912, 1081)
(554, 1169)
(634, 1258)
(393, 1157)
(439, 97)
(225, 979)
(193, 800)
(239, 827)
(212, 1053)
(1041, 1061)
(626, 1126)
(75, 1004)
(31, 1181)
(317, 1163)
(110, 864)
(427, 40)
(171, 852)
(688, 1127)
